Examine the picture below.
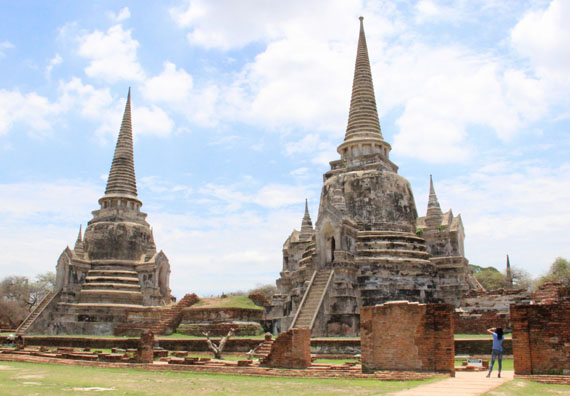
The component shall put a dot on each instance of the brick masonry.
(319, 346)
(407, 336)
(541, 338)
(291, 349)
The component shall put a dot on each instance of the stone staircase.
(170, 318)
(262, 350)
(312, 299)
(111, 284)
(25, 325)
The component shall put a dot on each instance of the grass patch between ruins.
(519, 387)
(18, 379)
(228, 301)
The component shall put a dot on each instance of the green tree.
(559, 272)
(491, 279)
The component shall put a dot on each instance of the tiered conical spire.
(307, 225)
(79, 242)
(434, 213)
(363, 142)
(363, 117)
(122, 180)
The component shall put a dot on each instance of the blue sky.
(239, 106)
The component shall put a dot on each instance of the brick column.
(291, 349)
(521, 339)
(407, 336)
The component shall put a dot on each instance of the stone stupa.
(114, 267)
(366, 248)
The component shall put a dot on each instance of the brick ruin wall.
(291, 349)
(218, 321)
(541, 338)
(551, 293)
(407, 336)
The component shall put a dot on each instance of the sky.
(238, 106)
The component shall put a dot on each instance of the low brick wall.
(319, 346)
(407, 336)
(291, 349)
(197, 345)
(541, 338)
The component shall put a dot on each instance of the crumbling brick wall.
(291, 349)
(541, 338)
(551, 293)
(407, 336)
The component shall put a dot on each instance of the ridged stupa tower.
(114, 266)
(365, 249)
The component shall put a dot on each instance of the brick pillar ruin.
(407, 336)
(291, 349)
(145, 349)
(541, 338)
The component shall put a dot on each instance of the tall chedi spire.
(122, 175)
(509, 274)
(120, 206)
(121, 188)
(307, 225)
(434, 214)
(363, 134)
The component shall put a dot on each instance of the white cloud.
(120, 16)
(4, 45)
(175, 88)
(93, 103)
(428, 11)
(31, 110)
(172, 86)
(273, 195)
(151, 121)
(112, 55)
(446, 90)
(56, 60)
(543, 36)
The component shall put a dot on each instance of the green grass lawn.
(519, 387)
(19, 379)
(227, 302)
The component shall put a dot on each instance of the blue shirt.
(498, 344)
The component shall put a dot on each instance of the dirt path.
(464, 383)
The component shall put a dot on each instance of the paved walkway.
(465, 383)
